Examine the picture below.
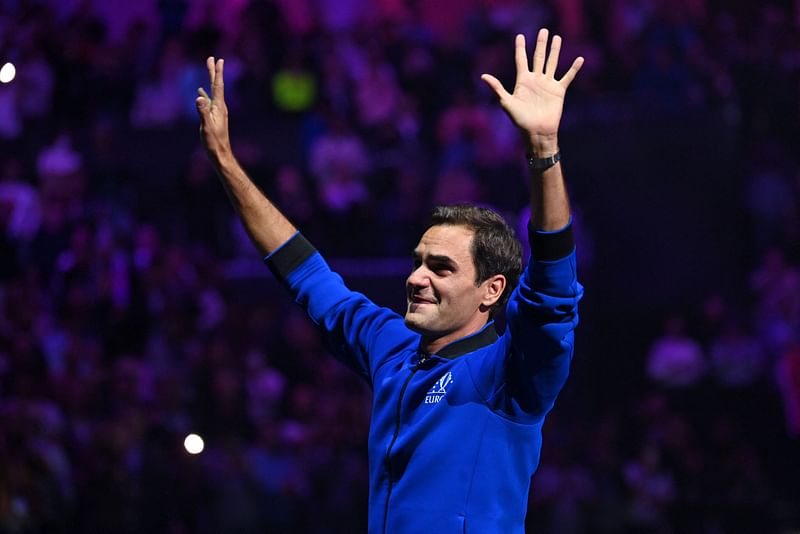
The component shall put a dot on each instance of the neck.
(432, 345)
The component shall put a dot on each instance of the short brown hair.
(495, 247)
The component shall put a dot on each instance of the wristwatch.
(541, 164)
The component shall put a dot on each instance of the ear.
(493, 290)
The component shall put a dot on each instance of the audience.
(122, 329)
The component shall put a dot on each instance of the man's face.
(443, 299)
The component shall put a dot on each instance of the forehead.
(449, 240)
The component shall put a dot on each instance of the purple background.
(134, 311)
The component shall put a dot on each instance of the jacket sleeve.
(525, 376)
(355, 330)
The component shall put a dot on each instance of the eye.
(441, 270)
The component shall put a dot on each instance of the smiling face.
(444, 301)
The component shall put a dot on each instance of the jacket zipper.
(423, 358)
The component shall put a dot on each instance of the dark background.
(133, 311)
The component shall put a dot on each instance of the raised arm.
(535, 107)
(265, 224)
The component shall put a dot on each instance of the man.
(457, 411)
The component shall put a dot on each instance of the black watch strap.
(541, 164)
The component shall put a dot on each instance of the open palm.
(536, 104)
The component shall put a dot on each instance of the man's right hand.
(264, 223)
(214, 114)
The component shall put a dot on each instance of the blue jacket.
(455, 436)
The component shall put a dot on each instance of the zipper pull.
(423, 357)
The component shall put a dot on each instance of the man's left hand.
(536, 104)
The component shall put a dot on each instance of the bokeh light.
(193, 444)
(7, 73)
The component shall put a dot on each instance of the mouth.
(416, 299)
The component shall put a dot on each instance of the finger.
(552, 59)
(573, 70)
(218, 87)
(202, 106)
(539, 51)
(203, 102)
(210, 67)
(520, 56)
(496, 86)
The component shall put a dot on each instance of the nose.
(418, 278)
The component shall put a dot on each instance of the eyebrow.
(437, 258)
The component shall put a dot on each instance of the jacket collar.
(486, 336)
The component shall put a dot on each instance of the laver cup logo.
(439, 389)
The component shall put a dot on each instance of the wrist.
(223, 159)
(542, 146)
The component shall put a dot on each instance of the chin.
(415, 323)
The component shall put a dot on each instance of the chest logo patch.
(439, 389)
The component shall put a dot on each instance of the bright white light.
(7, 72)
(193, 444)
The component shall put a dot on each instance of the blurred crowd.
(123, 329)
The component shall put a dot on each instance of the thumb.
(495, 85)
